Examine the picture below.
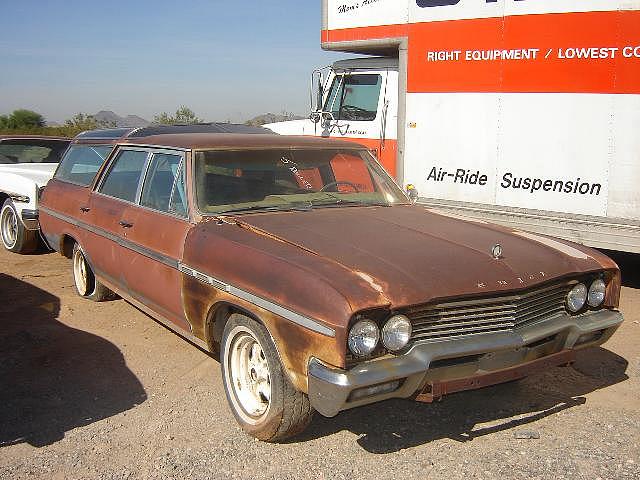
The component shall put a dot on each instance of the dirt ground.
(102, 391)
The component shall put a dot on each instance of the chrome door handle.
(84, 209)
(124, 224)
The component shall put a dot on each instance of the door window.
(164, 186)
(123, 178)
(81, 163)
(354, 97)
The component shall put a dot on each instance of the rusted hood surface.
(409, 255)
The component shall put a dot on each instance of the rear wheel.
(260, 394)
(86, 283)
(15, 237)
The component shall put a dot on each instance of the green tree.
(183, 116)
(24, 119)
(81, 122)
(4, 122)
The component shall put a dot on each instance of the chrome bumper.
(30, 219)
(331, 389)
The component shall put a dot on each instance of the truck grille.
(486, 315)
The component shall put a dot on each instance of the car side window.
(164, 186)
(81, 163)
(123, 178)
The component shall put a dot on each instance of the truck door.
(357, 108)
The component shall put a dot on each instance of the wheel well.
(3, 197)
(66, 245)
(217, 318)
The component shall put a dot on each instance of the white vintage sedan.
(27, 163)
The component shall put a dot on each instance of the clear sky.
(223, 59)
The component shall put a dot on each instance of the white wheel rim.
(248, 375)
(80, 272)
(9, 227)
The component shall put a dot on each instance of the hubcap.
(9, 227)
(249, 372)
(80, 272)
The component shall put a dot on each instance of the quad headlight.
(363, 338)
(577, 297)
(597, 292)
(396, 333)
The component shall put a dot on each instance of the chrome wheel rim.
(80, 272)
(9, 227)
(249, 374)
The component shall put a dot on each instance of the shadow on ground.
(398, 424)
(54, 378)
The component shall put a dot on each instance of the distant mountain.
(112, 118)
(272, 118)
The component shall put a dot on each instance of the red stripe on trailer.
(558, 39)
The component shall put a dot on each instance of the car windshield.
(31, 151)
(276, 179)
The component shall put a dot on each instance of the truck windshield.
(276, 179)
(354, 97)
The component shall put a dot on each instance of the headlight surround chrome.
(396, 333)
(577, 298)
(363, 338)
(597, 293)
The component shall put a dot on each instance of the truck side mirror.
(316, 92)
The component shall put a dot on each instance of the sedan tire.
(15, 237)
(262, 398)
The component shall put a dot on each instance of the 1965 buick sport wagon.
(308, 270)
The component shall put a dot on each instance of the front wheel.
(260, 394)
(15, 237)
(85, 281)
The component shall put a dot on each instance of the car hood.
(411, 255)
(40, 173)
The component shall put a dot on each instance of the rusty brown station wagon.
(320, 285)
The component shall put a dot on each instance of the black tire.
(87, 285)
(288, 411)
(15, 237)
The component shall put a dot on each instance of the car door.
(155, 231)
(118, 188)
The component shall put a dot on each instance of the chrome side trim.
(168, 261)
(272, 307)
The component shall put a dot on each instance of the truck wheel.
(15, 237)
(87, 286)
(261, 396)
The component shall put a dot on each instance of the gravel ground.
(101, 391)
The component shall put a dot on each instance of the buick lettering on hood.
(303, 265)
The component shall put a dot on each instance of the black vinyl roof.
(128, 132)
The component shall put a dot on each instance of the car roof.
(33, 137)
(113, 135)
(206, 141)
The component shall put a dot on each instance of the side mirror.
(315, 117)
(412, 193)
(316, 91)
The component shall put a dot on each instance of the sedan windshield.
(274, 179)
(32, 151)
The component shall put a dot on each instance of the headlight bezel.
(588, 282)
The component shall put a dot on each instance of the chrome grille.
(485, 315)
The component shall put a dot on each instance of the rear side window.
(81, 163)
(164, 187)
(123, 178)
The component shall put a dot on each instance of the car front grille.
(487, 315)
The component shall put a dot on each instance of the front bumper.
(448, 361)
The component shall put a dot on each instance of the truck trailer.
(519, 112)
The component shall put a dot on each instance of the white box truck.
(519, 112)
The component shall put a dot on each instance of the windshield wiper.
(268, 208)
